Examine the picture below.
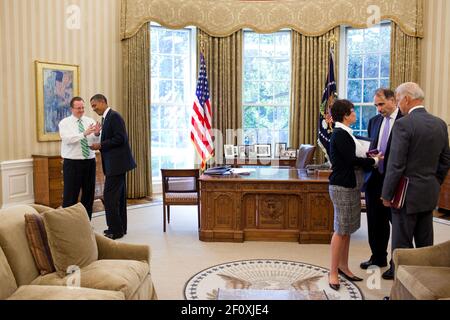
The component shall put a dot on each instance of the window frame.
(189, 97)
(343, 72)
(272, 104)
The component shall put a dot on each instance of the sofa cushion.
(37, 239)
(425, 282)
(14, 243)
(63, 293)
(70, 237)
(117, 275)
(7, 282)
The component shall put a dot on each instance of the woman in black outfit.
(348, 159)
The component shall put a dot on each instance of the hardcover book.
(400, 193)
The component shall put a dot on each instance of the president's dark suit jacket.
(419, 151)
(116, 153)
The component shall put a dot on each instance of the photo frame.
(229, 150)
(263, 150)
(56, 85)
(279, 148)
(242, 152)
(251, 150)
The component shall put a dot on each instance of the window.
(367, 69)
(266, 87)
(172, 88)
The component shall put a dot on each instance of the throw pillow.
(37, 240)
(70, 237)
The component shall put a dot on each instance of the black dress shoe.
(351, 278)
(388, 274)
(114, 236)
(366, 264)
(334, 286)
(105, 232)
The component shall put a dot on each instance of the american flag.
(201, 135)
(325, 120)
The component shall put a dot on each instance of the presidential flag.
(201, 120)
(325, 120)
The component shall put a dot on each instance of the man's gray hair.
(412, 90)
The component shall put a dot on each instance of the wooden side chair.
(180, 188)
(305, 156)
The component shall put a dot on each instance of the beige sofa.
(122, 271)
(422, 274)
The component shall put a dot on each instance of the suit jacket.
(419, 151)
(344, 160)
(116, 152)
(374, 134)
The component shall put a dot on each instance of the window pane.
(371, 66)
(266, 92)
(354, 91)
(251, 92)
(266, 67)
(281, 93)
(179, 67)
(384, 83)
(370, 86)
(251, 44)
(282, 69)
(165, 70)
(385, 65)
(165, 42)
(357, 124)
(372, 39)
(251, 69)
(181, 42)
(355, 66)
(367, 113)
(266, 46)
(355, 40)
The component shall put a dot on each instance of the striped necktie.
(84, 142)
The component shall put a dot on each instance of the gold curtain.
(310, 58)
(223, 58)
(309, 17)
(136, 101)
(405, 57)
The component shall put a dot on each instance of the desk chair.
(180, 188)
(305, 156)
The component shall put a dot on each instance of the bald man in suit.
(420, 152)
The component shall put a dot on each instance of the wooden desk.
(48, 179)
(273, 162)
(271, 204)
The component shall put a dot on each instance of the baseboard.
(17, 182)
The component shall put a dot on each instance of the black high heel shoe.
(334, 286)
(351, 278)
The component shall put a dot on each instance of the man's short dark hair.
(75, 99)
(99, 97)
(387, 93)
(340, 109)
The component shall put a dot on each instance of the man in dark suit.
(420, 152)
(117, 160)
(379, 216)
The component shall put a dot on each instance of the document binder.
(400, 193)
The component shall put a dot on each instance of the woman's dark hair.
(340, 109)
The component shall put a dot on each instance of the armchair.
(422, 274)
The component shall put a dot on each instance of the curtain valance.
(221, 18)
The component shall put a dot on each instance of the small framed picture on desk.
(263, 150)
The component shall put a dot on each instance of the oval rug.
(267, 274)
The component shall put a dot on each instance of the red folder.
(400, 193)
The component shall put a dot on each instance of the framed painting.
(56, 85)
(263, 150)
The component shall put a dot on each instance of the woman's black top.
(344, 160)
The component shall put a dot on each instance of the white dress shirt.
(71, 137)
(105, 114)
(392, 118)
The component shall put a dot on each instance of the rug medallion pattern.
(267, 274)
